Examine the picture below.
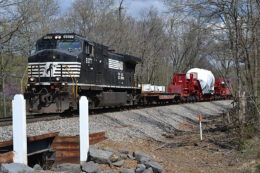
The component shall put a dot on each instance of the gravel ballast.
(149, 123)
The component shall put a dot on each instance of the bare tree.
(21, 23)
(151, 44)
(237, 47)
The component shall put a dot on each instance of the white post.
(200, 131)
(200, 119)
(84, 129)
(19, 129)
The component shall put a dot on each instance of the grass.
(250, 148)
(250, 153)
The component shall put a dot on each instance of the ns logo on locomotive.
(66, 66)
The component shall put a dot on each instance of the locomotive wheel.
(67, 113)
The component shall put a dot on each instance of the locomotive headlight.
(57, 79)
(32, 79)
(57, 37)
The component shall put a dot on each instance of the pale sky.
(134, 7)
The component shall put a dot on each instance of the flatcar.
(66, 66)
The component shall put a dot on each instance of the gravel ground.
(147, 123)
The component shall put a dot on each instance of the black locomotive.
(66, 66)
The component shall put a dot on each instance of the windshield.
(46, 44)
(69, 45)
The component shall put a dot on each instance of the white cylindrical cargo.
(206, 78)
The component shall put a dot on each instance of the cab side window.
(89, 50)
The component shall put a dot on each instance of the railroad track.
(54, 116)
(32, 118)
(7, 121)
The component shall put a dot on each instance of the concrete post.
(19, 129)
(84, 129)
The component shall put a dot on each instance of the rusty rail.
(31, 139)
(66, 148)
(6, 157)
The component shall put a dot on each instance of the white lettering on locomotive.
(120, 76)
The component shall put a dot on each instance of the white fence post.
(19, 129)
(200, 119)
(84, 129)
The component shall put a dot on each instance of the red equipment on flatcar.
(191, 90)
(222, 88)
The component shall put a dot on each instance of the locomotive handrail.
(22, 80)
(74, 80)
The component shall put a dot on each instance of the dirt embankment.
(183, 151)
(179, 148)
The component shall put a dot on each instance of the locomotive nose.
(52, 55)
